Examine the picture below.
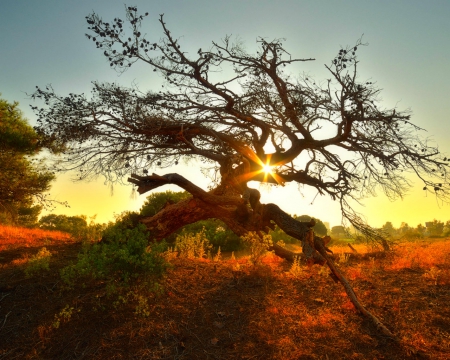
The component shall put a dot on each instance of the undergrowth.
(38, 263)
(122, 259)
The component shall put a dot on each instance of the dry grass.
(12, 237)
(231, 309)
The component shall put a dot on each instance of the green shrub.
(38, 263)
(122, 258)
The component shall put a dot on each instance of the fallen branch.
(352, 248)
(320, 247)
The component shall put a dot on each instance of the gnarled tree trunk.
(239, 208)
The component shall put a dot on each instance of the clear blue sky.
(43, 42)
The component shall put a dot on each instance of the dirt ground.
(231, 309)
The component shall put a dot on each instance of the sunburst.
(268, 169)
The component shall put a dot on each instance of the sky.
(43, 42)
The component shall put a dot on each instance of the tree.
(435, 227)
(388, 229)
(156, 202)
(71, 224)
(77, 226)
(319, 228)
(242, 115)
(338, 231)
(23, 180)
(215, 230)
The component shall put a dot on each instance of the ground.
(229, 309)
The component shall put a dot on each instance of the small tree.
(435, 227)
(319, 228)
(243, 116)
(388, 229)
(338, 231)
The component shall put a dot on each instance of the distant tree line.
(434, 228)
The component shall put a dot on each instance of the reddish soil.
(219, 310)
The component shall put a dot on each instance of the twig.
(4, 296)
(4, 321)
(352, 248)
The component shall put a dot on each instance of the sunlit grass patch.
(421, 255)
(343, 248)
(13, 237)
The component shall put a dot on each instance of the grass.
(231, 309)
(12, 237)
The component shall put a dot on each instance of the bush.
(122, 257)
(258, 246)
(38, 263)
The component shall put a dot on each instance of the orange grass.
(13, 237)
(423, 255)
(360, 248)
(232, 309)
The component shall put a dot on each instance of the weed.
(281, 243)
(38, 263)
(432, 274)
(192, 245)
(296, 267)
(170, 254)
(142, 308)
(218, 256)
(343, 258)
(258, 246)
(64, 315)
(323, 271)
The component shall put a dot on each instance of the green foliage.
(38, 263)
(218, 234)
(15, 133)
(388, 229)
(156, 201)
(320, 229)
(435, 228)
(28, 216)
(22, 180)
(122, 258)
(63, 316)
(338, 231)
(77, 226)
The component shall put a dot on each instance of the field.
(226, 309)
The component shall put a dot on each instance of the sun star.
(267, 169)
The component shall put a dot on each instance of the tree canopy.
(23, 179)
(334, 136)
